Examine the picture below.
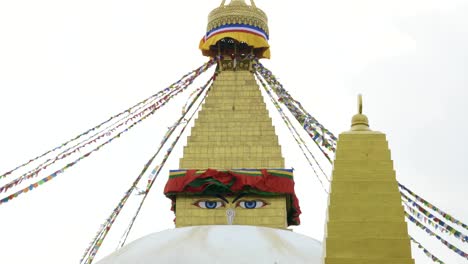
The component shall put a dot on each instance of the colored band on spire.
(252, 35)
(237, 28)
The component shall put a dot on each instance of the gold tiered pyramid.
(232, 171)
(233, 130)
(365, 216)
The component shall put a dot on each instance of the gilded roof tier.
(238, 12)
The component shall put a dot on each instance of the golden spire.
(364, 196)
(237, 12)
(239, 2)
(360, 122)
(241, 22)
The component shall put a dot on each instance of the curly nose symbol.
(230, 214)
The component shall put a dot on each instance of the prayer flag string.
(187, 78)
(321, 136)
(108, 131)
(319, 133)
(433, 207)
(294, 133)
(77, 148)
(326, 141)
(8, 198)
(289, 124)
(159, 167)
(95, 245)
(426, 252)
(443, 241)
(431, 219)
(71, 150)
(69, 165)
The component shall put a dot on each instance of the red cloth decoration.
(266, 183)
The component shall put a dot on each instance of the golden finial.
(252, 3)
(360, 104)
(238, 2)
(360, 121)
(237, 12)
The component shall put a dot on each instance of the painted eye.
(253, 204)
(205, 204)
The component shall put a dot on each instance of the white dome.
(220, 244)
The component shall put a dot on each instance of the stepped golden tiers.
(365, 221)
(236, 162)
(233, 129)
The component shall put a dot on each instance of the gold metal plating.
(233, 130)
(360, 122)
(238, 12)
(365, 220)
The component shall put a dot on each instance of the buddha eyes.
(205, 204)
(246, 204)
(253, 204)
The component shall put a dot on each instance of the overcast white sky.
(65, 66)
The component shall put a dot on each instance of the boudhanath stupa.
(232, 195)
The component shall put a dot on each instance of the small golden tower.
(365, 222)
(232, 170)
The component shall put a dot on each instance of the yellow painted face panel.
(246, 210)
